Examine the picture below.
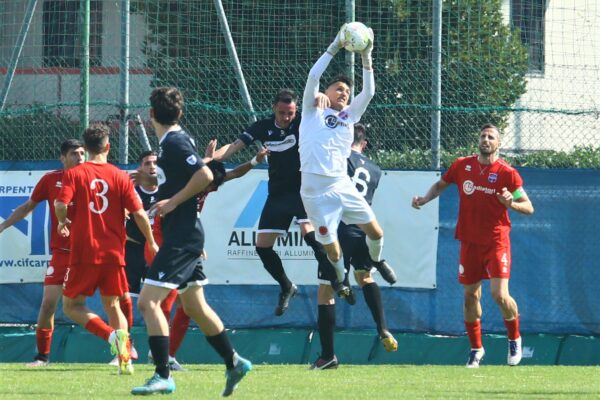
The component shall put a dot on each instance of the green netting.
(530, 67)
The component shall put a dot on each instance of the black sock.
(159, 346)
(222, 345)
(326, 324)
(320, 253)
(373, 298)
(273, 265)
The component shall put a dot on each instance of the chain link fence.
(530, 67)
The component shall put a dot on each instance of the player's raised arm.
(243, 169)
(197, 183)
(312, 84)
(18, 214)
(362, 100)
(228, 150)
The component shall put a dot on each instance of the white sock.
(375, 248)
(112, 337)
(339, 268)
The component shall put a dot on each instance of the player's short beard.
(485, 152)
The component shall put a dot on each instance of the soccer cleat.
(475, 358)
(515, 352)
(388, 341)
(156, 384)
(236, 374)
(322, 363)
(114, 362)
(37, 363)
(174, 365)
(350, 298)
(340, 289)
(387, 273)
(284, 300)
(134, 353)
(119, 346)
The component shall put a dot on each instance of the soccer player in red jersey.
(71, 154)
(103, 193)
(488, 187)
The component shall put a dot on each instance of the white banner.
(24, 252)
(230, 218)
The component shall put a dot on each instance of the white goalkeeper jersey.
(326, 136)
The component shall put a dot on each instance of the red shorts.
(84, 279)
(57, 268)
(479, 262)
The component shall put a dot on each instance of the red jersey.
(103, 192)
(47, 189)
(482, 219)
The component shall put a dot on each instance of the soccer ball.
(355, 36)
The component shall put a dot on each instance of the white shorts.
(329, 200)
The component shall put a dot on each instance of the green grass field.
(96, 381)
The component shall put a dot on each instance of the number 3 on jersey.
(361, 183)
(103, 187)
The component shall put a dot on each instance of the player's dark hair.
(69, 144)
(360, 134)
(146, 154)
(491, 126)
(218, 170)
(341, 78)
(286, 96)
(167, 104)
(95, 138)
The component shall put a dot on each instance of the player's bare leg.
(334, 255)
(45, 324)
(374, 241)
(372, 296)
(472, 316)
(510, 313)
(272, 263)
(195, 305)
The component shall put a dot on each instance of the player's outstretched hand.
(139, 177)
(210, 149)
(417, 202)
(322, 101)
(162, 207)
(337, 43)
(367, 59)
(262, 154)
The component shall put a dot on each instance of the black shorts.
(279, 211)
(135, 266)
(176, 268)
(354, 247)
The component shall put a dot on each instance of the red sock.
(167, 304)
(512, 327)
(179, 327)
(127, 308)
(99, 328)
(474, 333)
(43, 338)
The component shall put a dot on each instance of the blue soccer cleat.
(236, 374)
(156, 384)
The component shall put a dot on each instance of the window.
(528, 17)
(61, 30)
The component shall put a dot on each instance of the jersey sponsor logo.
(160, 175)
(192, 160)
(492, 177)
(331, 121)
(281, 145)
(469, 188)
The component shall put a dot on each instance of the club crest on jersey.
(192, 160)
(331, 121)
(492, 177)
(343, 115)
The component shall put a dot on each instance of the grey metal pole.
(143, 134)
(84, 77)
(14, 58)
(350, 17)
(124, 85)
(234, 59)
(436, 83)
